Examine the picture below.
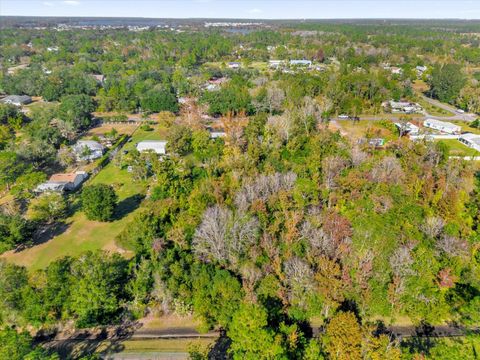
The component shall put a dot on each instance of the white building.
(88, 150)
(234, 65)
(63, 182)
(471, 140)
(408, 128)
(275, 63)
(402, 107)
(17, 100)
(300, 62)
(157, 146)
(443, 126)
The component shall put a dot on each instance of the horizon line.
(228, 18)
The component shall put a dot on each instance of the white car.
(460, 111)
(343, 117)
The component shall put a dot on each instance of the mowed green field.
(458, 149)
(79, 234)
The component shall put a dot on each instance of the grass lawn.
(165, 345)
(466, 128)
(79, 234)
(434, 110)
(360, 129)
(158, 133)
(458, 149)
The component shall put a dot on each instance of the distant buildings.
(88, 150)
(63, 182)
(17, 100)
(302, 62)
(471, 140)
(157, 146)
(442, 126)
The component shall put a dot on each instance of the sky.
(265, 9)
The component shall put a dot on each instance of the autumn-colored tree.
(343, 337)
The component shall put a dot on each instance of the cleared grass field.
(434, 110)
(78, 234)
(362, 128)
(458, 149)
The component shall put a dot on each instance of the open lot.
(77, 234)
(105, 128)
(458, 149)
(365, 128)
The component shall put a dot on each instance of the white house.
(443, 126)
(17, 100)
(63, 182)
(88, 150)
(275, 63)
(157, 146)
(234, 65)
(396, 70)
(420, 70)
(471, 140)
(408, 128)
(402, 107)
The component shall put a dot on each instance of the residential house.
(17, 100)
(471, 140)
(275, 63)
(396, 70)
(157, 146)
(88, 150)
(99, 78)
(216, 133)
(442, 126)
(302, 62)
(407, 128)
(376, 142)
(420, 70)
(63, 182)
(215, 83)
(402, 107)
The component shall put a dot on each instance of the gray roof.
(91, 144)
(17, 99)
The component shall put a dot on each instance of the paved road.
(449, 108)
(395, 117)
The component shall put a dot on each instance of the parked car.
(343, 117)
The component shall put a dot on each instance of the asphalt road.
(395, 117)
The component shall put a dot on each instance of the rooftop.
(60, 178)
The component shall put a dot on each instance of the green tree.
(159, 100)
(47, 208)
(99, 202)
(446, 82)
(74, 111)
(98, 288)
(251, 338)
(19, 346)
(10, 168)
(14, 231)
(179, 140)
